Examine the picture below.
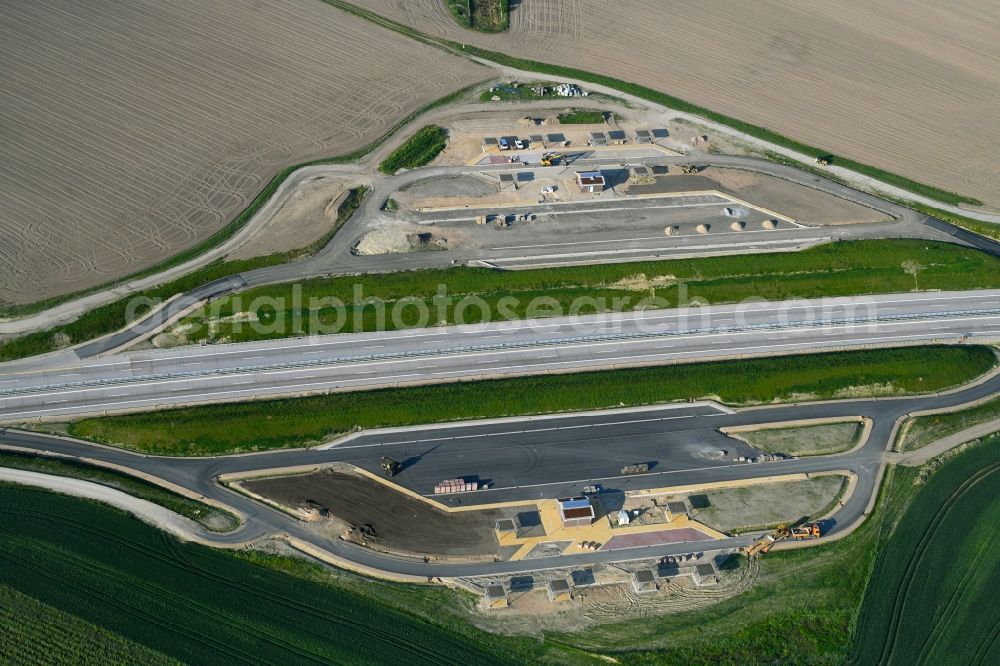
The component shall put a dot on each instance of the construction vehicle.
(761, 545)
(390, 467)
(548, 159)
(807, 531)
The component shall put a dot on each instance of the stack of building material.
(455, 486)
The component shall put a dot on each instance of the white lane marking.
(445, 354)
(763, 310)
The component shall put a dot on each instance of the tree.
(911, 267)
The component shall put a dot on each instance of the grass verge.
(212, 518)
(218, 429)
(417, 151)
(932, 593)
(583, 117)
(482, 15)
(923, 430)
(473, 295)
(664, 99)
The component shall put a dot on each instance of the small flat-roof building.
(506, 525)
(590, 181)
(559, 590)
(490, 143)
(644, 582)
(705, 573)
(556, 138)
(598, 139)
(576, 512)
(583, 577)
(508, 182)
(522, 583)
(496, 596)
(643, 136)
(678, 508)
(617, 137)
(537, 139)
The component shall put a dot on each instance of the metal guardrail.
(502, 346)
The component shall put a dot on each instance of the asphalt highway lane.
(197, 375)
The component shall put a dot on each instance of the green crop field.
(417, 151)
(472, 295)
(38, 634)
(932, 596)
(201, 606)
(267, 424)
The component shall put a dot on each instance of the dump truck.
(807, 531)
(390, 467)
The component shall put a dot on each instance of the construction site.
(380, 506)
(519, 188)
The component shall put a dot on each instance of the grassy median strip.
(217, 429)
(417, 151)
(212, 518)
(473, 295)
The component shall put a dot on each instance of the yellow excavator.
(548, 159)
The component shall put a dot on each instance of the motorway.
(204, 374)
(529, 458)
(523, 458)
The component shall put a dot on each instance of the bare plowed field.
(134, 129)
(909, 86)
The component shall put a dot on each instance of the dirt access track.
(905, 86)
(135, 129)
